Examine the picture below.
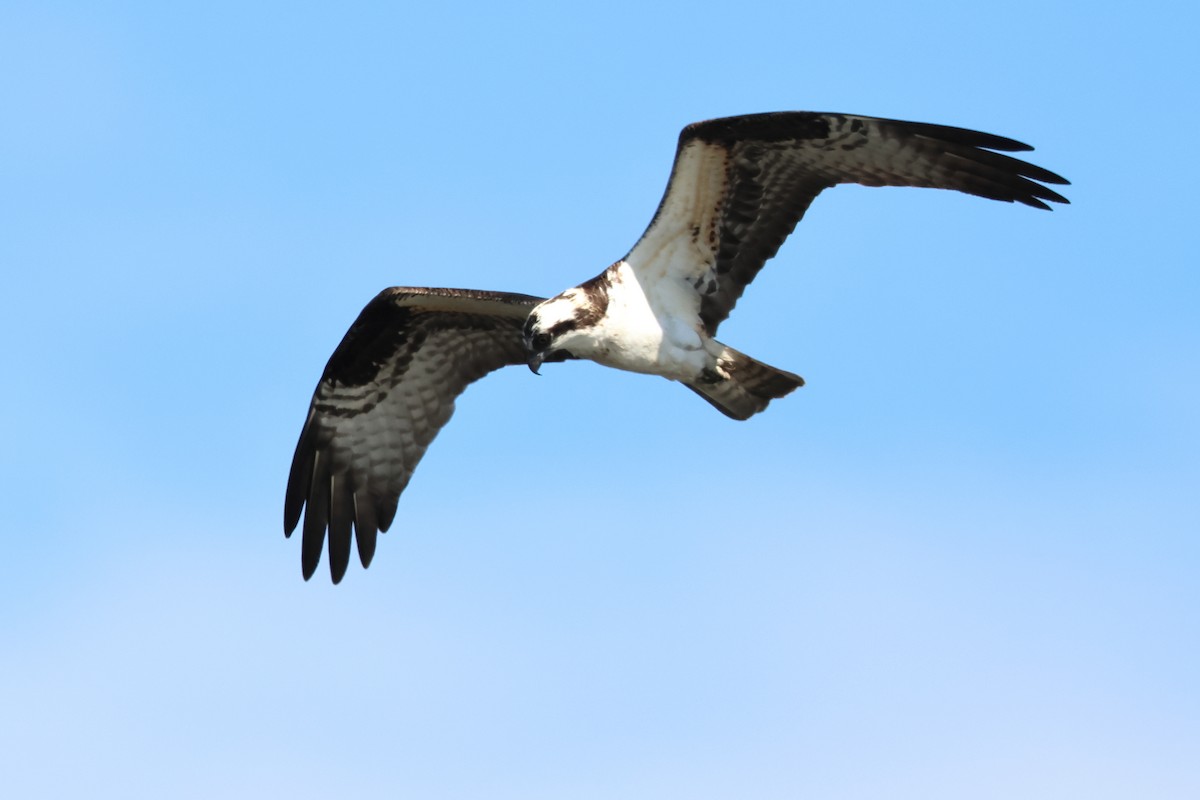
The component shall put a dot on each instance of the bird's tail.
(740, 386)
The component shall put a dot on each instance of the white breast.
(652, 328)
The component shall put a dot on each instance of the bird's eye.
(541, 341)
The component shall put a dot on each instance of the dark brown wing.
(739, 185)
(386, 392)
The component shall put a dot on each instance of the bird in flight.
(737, 189)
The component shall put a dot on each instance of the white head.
(559, 328)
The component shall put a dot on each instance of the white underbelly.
(659, 352)
(656, 335)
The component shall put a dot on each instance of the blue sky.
(961, 562)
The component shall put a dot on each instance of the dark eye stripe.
(559, 328)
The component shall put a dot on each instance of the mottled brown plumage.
(386, 392)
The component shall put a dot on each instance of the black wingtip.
(316, 518)
(341, 520)
(300, 475)
(338, 562)
(1039, 195)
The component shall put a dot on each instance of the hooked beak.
(535, 362)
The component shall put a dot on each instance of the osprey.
(737, 189)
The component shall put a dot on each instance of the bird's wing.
(739, 185)
(385, 393)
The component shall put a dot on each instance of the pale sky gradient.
(962, 562)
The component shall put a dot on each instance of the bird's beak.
(535, 362)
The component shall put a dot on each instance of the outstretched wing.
(740, 184)
(386, 392)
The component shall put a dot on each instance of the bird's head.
(552, 330)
